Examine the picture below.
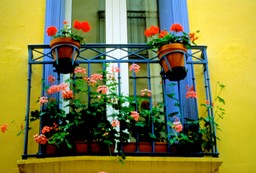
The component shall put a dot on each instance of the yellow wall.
(228, 29)
(22, 23)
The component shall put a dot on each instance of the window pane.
(92, 12)
(140, 14)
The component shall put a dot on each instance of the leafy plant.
(81, 27)
(200, 131)
(176, 35)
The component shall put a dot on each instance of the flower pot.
(51, 149)
(64, 51)
(173, 61)
(95, 147)
(160, 147)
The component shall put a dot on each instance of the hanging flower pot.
(65, 45)
(64, 51)
(172, 59)
(172, 46)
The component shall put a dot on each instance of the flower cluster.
(175, 35)
(83, 27)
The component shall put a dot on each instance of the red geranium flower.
(51, 31)
(176, 28)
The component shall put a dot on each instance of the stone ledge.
(110, 164)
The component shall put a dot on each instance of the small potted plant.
(172, 46)
(65, 44)
(196, 135)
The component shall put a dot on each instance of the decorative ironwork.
(128, 53)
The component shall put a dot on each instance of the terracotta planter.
(161, 147)
(145, 147)
(83, 148)
(64, 51)
(174, 67)
(51, 149)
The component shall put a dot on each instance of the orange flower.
(43, 100)
(190, 92)
(115, 123)
(177, 125)
(115, 69)
(176, 28)
(135, 115)
(79, 70)
(134, 67)
(51, 79)
(41, 139)
(65, 22)
(4, 128)
(192, 37)
(146, 92)
(102, 89)
(67, 94)
(51, 31)
(46, 129)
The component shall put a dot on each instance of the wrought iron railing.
(151, 77)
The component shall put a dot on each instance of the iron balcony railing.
(40, 63)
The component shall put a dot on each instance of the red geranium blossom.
(153, 30)
(51, 31)
(77, 25)
(176, 28)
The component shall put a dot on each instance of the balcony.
(172, 95)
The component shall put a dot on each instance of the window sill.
(83, 164)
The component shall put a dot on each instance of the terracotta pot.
(145, 147)
(96, 147)
(161, 147)
(176, 60)
(51, 149)
(67, 50)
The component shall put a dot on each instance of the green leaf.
(221, 100)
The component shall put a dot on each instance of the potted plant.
(196, 135)
(172, 47)
(147, 127)
(65, 44)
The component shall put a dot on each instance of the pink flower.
(67, 94)
(4, 128)
(135, 115)
(96, 77)
(57, 88)
(146, 92)
(115, 69)
(135, 68)
(103, 89)
(40, 139)
(177, 125)
(79, 70)
(190, 92)
(51, 79)
(115, 123)
(43, 100)
(46, 129)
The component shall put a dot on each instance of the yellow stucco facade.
(226, 27)
(22, 23)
